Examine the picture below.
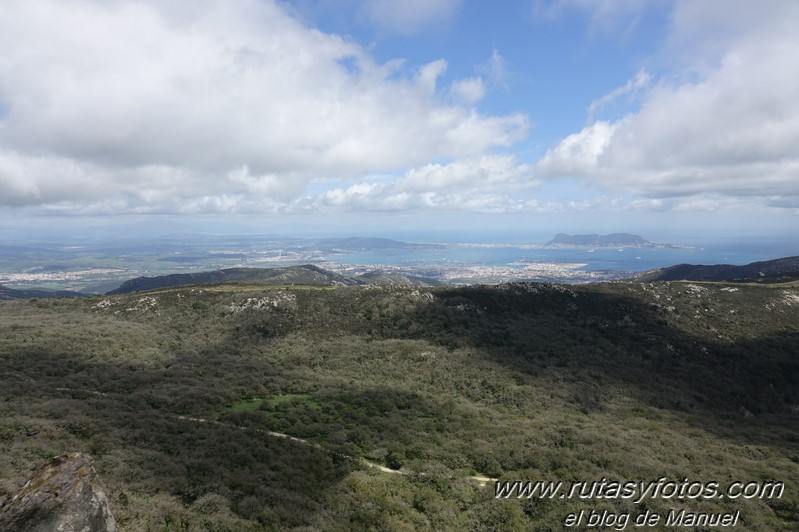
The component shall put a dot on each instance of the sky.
(367, 116)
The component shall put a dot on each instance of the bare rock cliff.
(64, 495)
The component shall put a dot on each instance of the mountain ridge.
(17, 293)
(787, 267)
(307, 274)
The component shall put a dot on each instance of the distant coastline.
(100, 266)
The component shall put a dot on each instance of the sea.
(593, 259)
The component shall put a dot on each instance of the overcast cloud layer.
(111, 106)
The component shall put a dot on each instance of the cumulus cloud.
(223, 105)
(488, 173)
(484, 184)
(731, 128)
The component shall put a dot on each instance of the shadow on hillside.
(593, 339)
(127, 417)
(149, 416)
(601, 340)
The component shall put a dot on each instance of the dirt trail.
(482, 481)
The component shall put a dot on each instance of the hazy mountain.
(299, 275)
(14, 293)
(302, 275)
(786, 268)
(394, 279)
(593, 240)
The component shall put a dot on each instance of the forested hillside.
(181, 394)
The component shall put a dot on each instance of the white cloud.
(730, 128)
(28, 179)
(407, 17)
(468, 91)
(484, 184)
(579, 153)
(151, 105)
(641, 80)
(428, 75)
(496, 70)
(617, 17)
(702, 32)
(268, 186)
(500, 173)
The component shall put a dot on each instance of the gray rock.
(63, 495)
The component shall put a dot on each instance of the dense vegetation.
(520, 381)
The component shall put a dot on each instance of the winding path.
(482, 481)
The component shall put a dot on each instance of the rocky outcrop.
(64, 495)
